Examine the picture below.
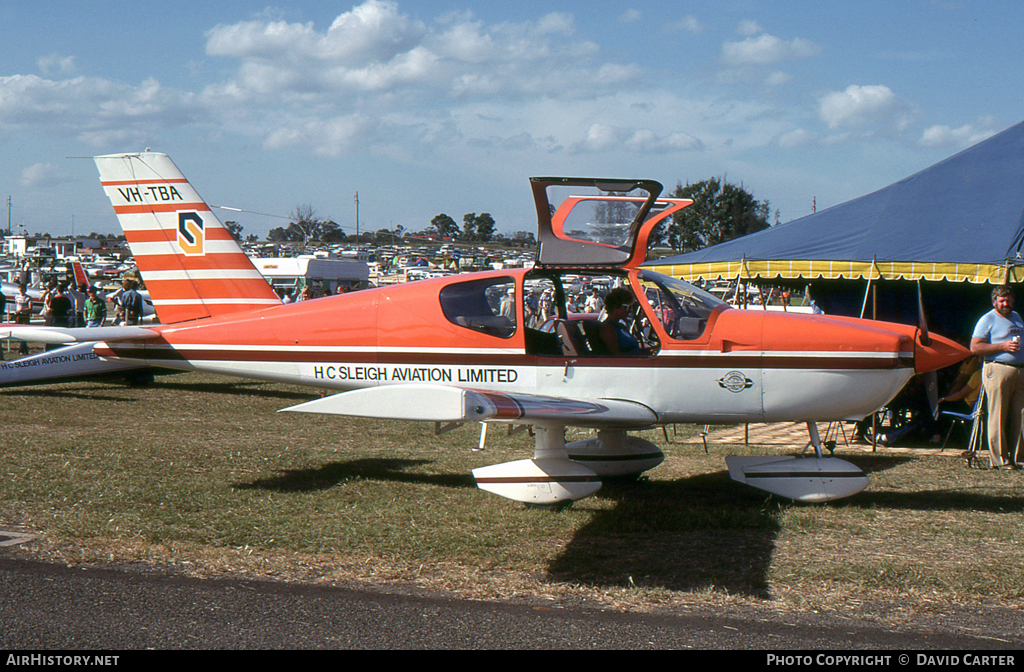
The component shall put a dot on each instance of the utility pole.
(357, 217)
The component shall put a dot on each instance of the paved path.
(48, 606)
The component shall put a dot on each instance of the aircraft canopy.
(597, 223)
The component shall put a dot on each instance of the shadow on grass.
(689, 534)
(936, 500)
(710, 533)
(926, 500)
(703, 532)
(239, 388)
(335, 473)
(700, 533)
(91, 394)
(112, 381)
(874, 464)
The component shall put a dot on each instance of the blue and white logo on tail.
(191, 235)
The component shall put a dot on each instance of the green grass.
(201, 470)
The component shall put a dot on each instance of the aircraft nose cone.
(939, 353)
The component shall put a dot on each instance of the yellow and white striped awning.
(791, 269)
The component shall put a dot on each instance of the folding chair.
(977, 420)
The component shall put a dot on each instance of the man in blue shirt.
(131, 302)
(996, 339)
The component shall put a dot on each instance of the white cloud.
(378, 82)
(41, 174)
(416, 66)
(403, 78)
(55, 63)
(557, 23)
(373, 31)
(796, 138)
(374, 47)
(861, 106)
(964, 136)
(94, 110)
(603, 137)
(765, 49)
(631, 16)
(329, 137)
(613, 74)
(749, 27)
(689, 24)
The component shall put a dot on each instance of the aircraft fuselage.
(745, 366)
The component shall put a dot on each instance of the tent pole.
(869, 291)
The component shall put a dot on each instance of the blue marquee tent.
(959, 220)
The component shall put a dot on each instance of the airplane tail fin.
(191, 264)
(81, 277)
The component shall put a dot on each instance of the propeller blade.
(931, 379)
(921, 321)
(931, 388)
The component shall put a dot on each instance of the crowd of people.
(540, 306)
(308, 293)
(66, 305)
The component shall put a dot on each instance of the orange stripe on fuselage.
(146, 208)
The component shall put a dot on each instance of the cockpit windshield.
(682, 309)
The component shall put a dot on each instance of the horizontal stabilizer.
(441, 403)
(65, 336)
(805, 479)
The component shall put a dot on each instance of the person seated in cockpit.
(614, 337)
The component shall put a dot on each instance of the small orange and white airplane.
(467, 348)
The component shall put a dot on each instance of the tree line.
(307, 227)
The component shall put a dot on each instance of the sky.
(450, 106)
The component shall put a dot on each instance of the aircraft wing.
(66, 336)
(442, 403)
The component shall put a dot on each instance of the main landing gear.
(805, 479)
(561, 473)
